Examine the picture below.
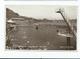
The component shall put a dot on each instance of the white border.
(36, 54)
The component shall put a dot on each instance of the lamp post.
(69, 27)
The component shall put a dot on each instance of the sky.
(44, 11)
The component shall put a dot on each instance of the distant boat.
(10, 21)
(65, 35)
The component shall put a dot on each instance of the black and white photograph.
(41, 27)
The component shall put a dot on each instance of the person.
(36, 27)
(57, 31)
